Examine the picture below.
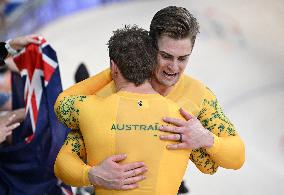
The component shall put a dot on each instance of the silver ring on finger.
(180, 137)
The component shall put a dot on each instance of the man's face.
(172, 59)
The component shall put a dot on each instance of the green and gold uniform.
(124, 123)
(228, 150)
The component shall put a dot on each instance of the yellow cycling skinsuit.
(228, 150)
(127, 123)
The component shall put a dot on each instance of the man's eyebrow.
(163, 52)
(184, 56)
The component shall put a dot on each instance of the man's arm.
(64, 105)
(19, 115)
(18, 43)
(89, 86)
(220, 146)
(70, 166)
(228, 150)
(67, 110)
(13, 46)
(191, 134)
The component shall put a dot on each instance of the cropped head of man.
(132, 55)
(173, 30)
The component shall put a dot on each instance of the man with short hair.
(127, 122)
(210, 133)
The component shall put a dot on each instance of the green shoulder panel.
(67, 112)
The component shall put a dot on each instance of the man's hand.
(14, 116)
(6, 127)
(190, 133)
(112, 175)
(21, 42)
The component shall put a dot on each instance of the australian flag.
(26, 166)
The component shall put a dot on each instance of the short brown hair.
(175, 22)
(132, 50)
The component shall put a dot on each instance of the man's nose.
(173, 64)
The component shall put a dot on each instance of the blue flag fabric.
(26, 167)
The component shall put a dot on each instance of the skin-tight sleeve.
(70, 164)
(228, 150)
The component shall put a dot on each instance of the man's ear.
(113, 68)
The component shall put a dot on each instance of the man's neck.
(145, 88)
(161, 89)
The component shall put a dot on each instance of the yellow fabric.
(198, 99)
(222, 155)
(126, 123)
(64, 163)
(90, 85)
(192, 95)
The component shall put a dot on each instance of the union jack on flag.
(27, 165)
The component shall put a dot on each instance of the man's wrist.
(210, 139)
(215, 147)
(3, 53)
(11, 50)
(92, 176)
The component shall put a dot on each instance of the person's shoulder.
(104, 99)
(107, 90)
(191, 82)
(109, 99)
(190, 92)
(192, 89)
(197, 87)
(92, 99)
(94, 103)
